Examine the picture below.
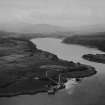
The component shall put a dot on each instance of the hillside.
(7, 34)
(92, 40)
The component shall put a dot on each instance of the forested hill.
(97, 41)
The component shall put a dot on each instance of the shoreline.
(96, 41)
(24, 62)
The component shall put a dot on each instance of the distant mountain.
(32, 28)
(90, 29)
(28, 35)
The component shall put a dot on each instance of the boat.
(51, 91)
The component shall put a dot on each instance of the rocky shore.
(23, 67)
(100, 58)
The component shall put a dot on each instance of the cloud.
(60, 12)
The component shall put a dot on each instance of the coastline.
(95, 41)
(24, 62)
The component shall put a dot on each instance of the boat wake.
(70, 85)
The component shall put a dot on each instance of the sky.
(56, 12)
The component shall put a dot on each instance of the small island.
(100, 58)
(25, 69)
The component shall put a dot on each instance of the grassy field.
(21, 62)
